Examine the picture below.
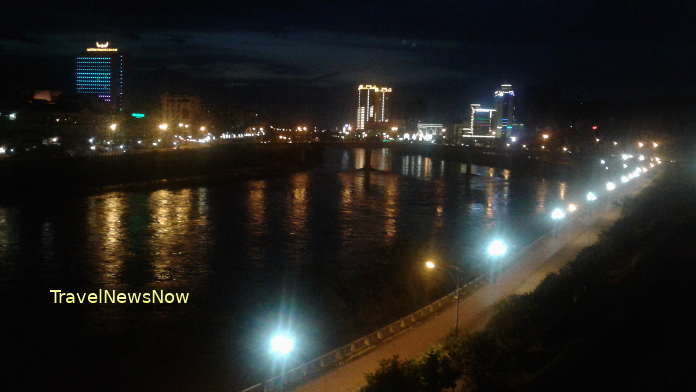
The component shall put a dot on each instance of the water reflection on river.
(334, 252)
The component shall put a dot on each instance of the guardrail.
(360, 346)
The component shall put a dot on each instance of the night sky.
(297, 62)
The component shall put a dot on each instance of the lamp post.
(431, 265)
(495, 250)
(557, 215)
(281, 346)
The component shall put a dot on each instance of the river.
(330, 254)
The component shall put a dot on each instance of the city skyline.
(279, 63)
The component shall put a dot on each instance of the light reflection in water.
(381, 159)
(257, 221)
(438, 221)
(105, 216)
(562, 190)
(176, 232)
(541, 194)
(256, 207)
(391, 208)
(427, 168)
(297, 215)
(359, 159)
(506, 174)
(7, 268)
(490, 199)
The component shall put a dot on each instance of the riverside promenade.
(525, 270)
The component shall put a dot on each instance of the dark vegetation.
(616, 318)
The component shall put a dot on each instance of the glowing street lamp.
(282, 345)
(640, 144)
(557, 214)
(113, 126)
(545, 136)
(610, 186)
(202, 129)
(655, 145)
(163, 126)
(572, 207)
(591, 196)
(624, 179)
(496, 248)
(430, 265)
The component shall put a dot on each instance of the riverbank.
(546, 255)
(216, 164)
(612, 319)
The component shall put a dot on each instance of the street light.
(572, 207)
(545, 136)
(113, 126)
(429, 264)
(591, 196)
(610, 186)
(163, 126)
(496, 248)
(557, 214)
(282, 345)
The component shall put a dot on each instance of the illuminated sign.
(102, 48)
(138, 115)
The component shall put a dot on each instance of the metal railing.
(360, 346)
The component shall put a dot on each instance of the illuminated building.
(99, 72)
(505, 105)
(430, 132)
(181, 109)
(505, 119)
(482, 121)
(373, 106)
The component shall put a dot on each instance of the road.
(546, 255)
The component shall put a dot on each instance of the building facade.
(99, 73)
(505, 105)
(374, 107)
(181, 109)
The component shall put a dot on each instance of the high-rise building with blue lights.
(505, 105)
(99, 72)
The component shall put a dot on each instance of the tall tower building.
(505, 105)
(482, 121)
(373, 106)
(99, 72)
